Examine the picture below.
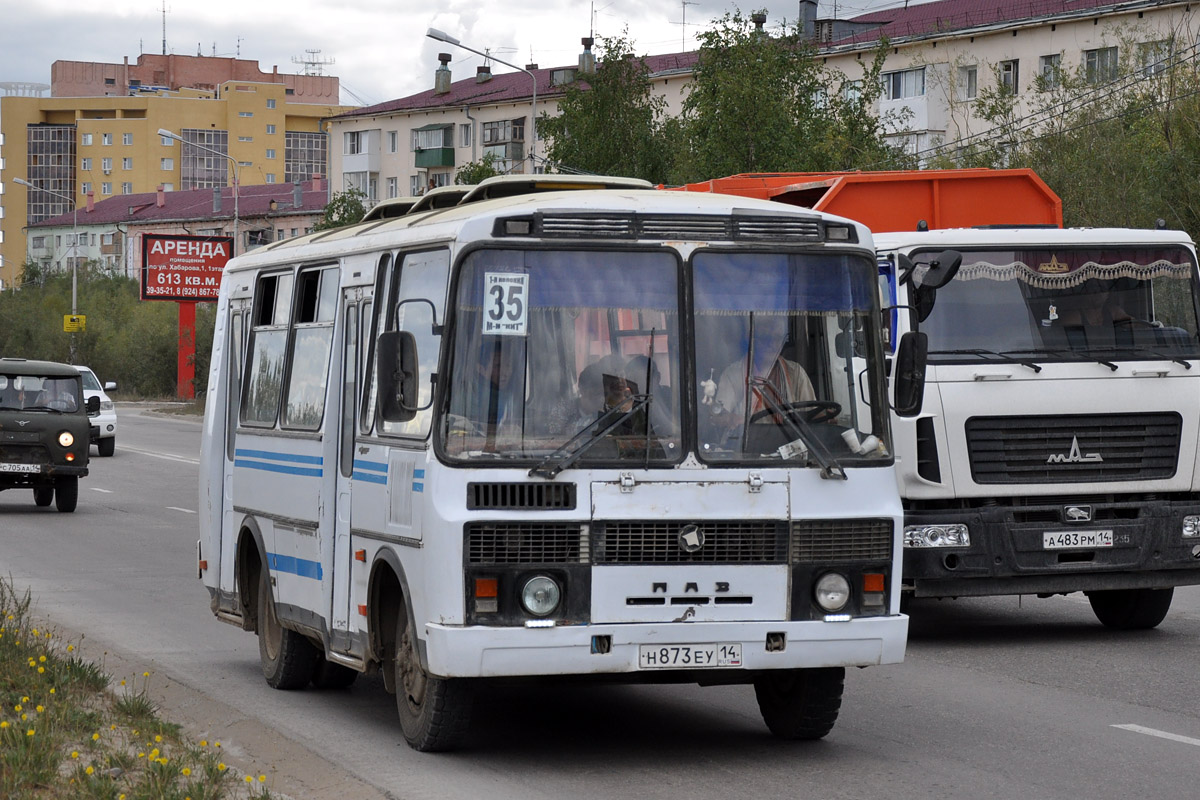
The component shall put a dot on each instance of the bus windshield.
(1067, 303)
(547, 342)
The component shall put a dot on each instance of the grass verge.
(69, 730)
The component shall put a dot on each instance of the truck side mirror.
(909, 380)
(397, 375)
(940, 271)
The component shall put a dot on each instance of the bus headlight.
(832, 591)
(1191, 526)
(952, 535)
(540, 595)
(66, 439)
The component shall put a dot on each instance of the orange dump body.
(898, 201)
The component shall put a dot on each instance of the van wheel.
(289, 659)
(106, 447)
(434, 712)
(329, 675)
(1131, 609)
(66, 493)
(43, 495)
(800, 703)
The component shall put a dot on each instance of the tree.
(474, 172)
(610, 122)
(344, 208)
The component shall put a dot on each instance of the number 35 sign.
(505, 298)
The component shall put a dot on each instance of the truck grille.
(816, 541)
(1073, 448)
(494, 543)
(658, 542)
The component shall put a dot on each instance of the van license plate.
(20, 468)
(1061, 540)
(689, 656)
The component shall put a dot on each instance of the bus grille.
(495, 543)
(816, 541)
(725, 542)
(518, 496)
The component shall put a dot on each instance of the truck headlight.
(540, 595)
(66, 439)
(832, 591)
(952, 535)
(1191, 526)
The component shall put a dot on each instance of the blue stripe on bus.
(418, 473)
(295, 566)
(366, 478)
(296, 459)
(267, 467)
(418, 487)
(374, 466)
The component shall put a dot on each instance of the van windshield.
(39, 393)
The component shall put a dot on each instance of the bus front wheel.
(434, 712)
(289, 660)
(800, 703)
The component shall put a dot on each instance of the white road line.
(164, 456)
(177, 508)
(106, 491)
(1174, 737)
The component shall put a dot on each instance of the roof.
(22, 366)
(197, 204)
(946, 16)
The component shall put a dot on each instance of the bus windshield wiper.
(976, 351)
(580, 443)
(798, 428)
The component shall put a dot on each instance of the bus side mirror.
(910, 374)
(396, 374)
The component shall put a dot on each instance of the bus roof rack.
(512, 185)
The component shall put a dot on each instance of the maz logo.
(1074, 457)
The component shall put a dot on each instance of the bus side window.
(308, 377)
(372, 327)
(263, 384)
(235, 381)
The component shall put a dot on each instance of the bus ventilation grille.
(520, 496)
(497, 543)
(671, 227)
(819, 541)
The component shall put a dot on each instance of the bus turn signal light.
(487, 587)
(873, 582)
(360, 555)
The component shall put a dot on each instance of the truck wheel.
(66, 493)
(434, 712)
(43, 495)
(800, 703)
(289, 659)
(1131, 609)
(329, 675)
(106, 447)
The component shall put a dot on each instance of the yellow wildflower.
(186, 771)
(90, 770)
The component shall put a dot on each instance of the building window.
(126, 188)
(414, 185)
(852, 91)
(1154, 57)
(504, 131)
(85, 188)
(304, 155)
(166, 141)
(270, 129)
(37, 242)
(106, 138)
(105, 188)
(166, 163)
(85, 164)
(562, 77)
(203, 169)
(126, 138)
(85, 139)
(168, 187)
(270, 177)
(354, 142)
(465, 134)
(106, 238)
(1049, 67)
(126, 163)
(968, 82)
(245, 138)
(903, 84)
(106, 164)
(279, 235)
(245, 113)
(270, 152)
(270, 102)
(1010, 76)
(1100, 66)
(393, 187)
(393, 141)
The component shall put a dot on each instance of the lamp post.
(434, 33)
(236, 174)
(74, 249)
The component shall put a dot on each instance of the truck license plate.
(20, 468)
(1061, 540)
(689, 656)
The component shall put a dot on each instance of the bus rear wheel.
(289, 660)
(800, 703)
(1131, 609)
(434, 712)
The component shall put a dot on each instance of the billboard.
(186, 268)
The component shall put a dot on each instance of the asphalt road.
(998, 698)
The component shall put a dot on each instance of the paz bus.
(617, 433)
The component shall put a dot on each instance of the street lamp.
(74, 247)
(434, 33)
(236, 174)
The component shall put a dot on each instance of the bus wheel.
(434, 712)
(1131, 609)
(800, 703)
(66, 493)
(289, 660)
(43, 495)
(329, 675)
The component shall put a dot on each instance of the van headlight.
(540, 595)
(66, 439)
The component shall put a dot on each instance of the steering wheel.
(814, 410)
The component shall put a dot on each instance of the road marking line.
(106, 491)
(1174, 737)
(164, 456)
(177, 508)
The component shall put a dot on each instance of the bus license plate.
(1060, 540)
(689, 656)
(20, 468)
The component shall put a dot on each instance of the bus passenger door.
(342, 558)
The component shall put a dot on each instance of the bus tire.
(800, 703)
(43, 495)
(434, 712)
(1131, 609)
(66, 493)
(289, 659)
(329, 675)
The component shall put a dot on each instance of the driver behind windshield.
(768, 335)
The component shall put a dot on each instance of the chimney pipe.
(483, 73)
(160, 198)
(297, 196)
(441, 76)
(318, 181)
(587, 61)
(216, 199)
(91, 202)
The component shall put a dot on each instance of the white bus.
(626, 434)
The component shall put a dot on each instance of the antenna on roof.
(313, 62)
(164, 13)
(683, 25)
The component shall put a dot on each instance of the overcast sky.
(377, 47)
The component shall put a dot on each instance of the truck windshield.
(1067, 303)
(792, 333)
(546, 342)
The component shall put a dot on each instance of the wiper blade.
(1146, 351)
(1081, 354)
(574, 448)
(798, 428)
(975, 351)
